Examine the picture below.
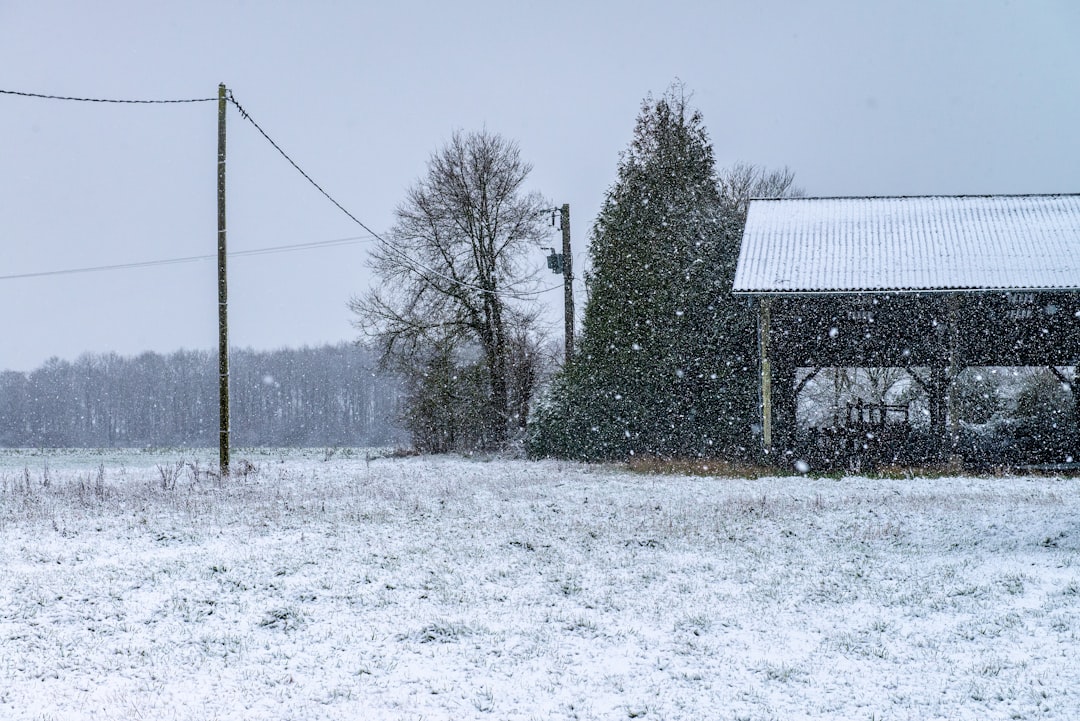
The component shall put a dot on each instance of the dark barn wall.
(934, 335)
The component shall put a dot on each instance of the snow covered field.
(441, 588)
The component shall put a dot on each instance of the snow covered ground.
(442, 588)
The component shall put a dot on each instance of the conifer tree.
(666, 365)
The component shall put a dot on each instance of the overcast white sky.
(859, 98)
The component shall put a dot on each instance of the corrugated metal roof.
(911, 244)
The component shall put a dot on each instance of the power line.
(104, 100)
(303, 246)
(403, 255)
(194, 258)
(246, 116)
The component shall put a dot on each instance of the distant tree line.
(326, 396)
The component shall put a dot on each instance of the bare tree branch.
(452, 270)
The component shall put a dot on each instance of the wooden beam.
(925, 385)
(1061, 377)
(954, 370)
(806, 379)
(766, 374)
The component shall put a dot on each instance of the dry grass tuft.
(697, 467)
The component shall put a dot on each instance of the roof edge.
(908, 291)
(920, 197)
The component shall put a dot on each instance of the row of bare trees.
(327, 396)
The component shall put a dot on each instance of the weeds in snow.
(286, 618)
(348, 586)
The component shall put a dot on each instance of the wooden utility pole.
(223, 296)
(568, 282)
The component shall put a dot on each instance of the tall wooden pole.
(568, 282)
(223, 297)
(764, 330)
(954, 370)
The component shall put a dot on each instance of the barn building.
(930, 285)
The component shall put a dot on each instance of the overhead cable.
(194, 258)
(402, 254)
(246, 116)
(104, 100)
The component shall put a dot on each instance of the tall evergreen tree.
(666, 364)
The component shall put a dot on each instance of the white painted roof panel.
(910, 244)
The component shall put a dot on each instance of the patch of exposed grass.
(705, 467)
(341, 589)
(719, 467)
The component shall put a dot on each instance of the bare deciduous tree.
(743, 181)
(453, 271)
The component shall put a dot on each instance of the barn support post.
(1076, 417)
(764, 322)
(936, 401)
(954, 370)
(785, 402)
(1074, 392)
(944, 424)
(1073, 386)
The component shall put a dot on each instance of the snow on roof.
(911, 244)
